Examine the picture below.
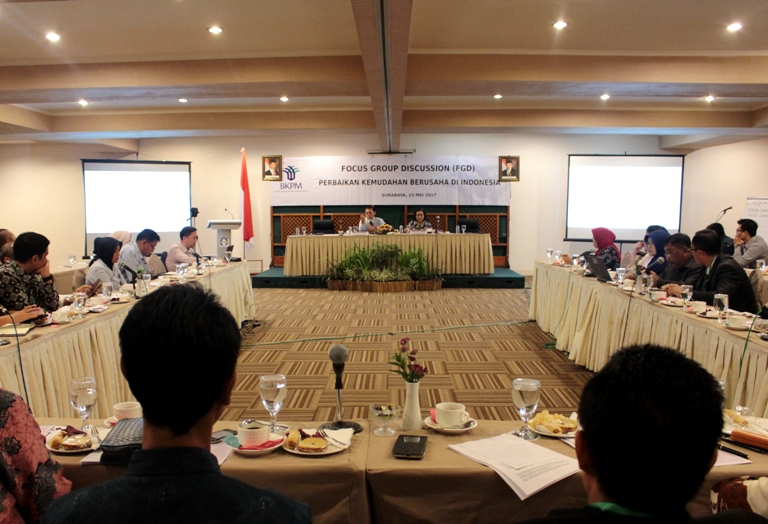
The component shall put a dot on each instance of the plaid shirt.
(18, 290)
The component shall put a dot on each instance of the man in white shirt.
(748, 247)
(183, 253)
(369, 221)
(134, 254)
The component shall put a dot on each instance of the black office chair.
(322, 226)
(473, 225)
(163, 257)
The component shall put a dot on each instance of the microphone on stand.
(125, 266)
(339, 355)
(656, 262)
(722, 213)
(230, 213)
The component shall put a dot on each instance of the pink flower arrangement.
(404, 361)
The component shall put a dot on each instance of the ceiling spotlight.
(215, 30)
(83, 103)
(560, 25)
(284, 98)
(709, 98)
(496, 96)
(734, 27)
(53, 37)
(183, 100)
(605, 97)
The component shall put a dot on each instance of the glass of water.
(720, 303)
(760, 264)
(550, 251)
(73, 258)
(525, 397)
(686, 291)
(558, 254)
(106, 289)
(227, 255)
(79, 303)
(464, 228)
(621, 272)
(304, 230)
(82, 396)
(273, 390)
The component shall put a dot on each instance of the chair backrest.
(163, 258)
(756, 279)
(322, 224)
(473, 224)
(78, 278)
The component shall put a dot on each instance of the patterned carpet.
(473, 341)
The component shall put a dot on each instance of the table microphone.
(656, 262)
(125, 266)
(339, 355)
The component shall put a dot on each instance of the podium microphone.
(722, 213)
(230, 213)
(339, 355)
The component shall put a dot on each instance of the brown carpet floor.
(473, 341)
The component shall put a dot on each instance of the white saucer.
(547, 433)
(258, 452)
(733, 328)
(449, 431)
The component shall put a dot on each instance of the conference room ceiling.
(382, 66)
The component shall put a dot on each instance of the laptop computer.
(597, 267)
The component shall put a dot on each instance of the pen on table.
(732, 451)
(745, 446)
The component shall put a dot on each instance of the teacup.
(251, 433)
(698, 306)
(127, 410)
(658, 294)
(450, 414)
(736, 321)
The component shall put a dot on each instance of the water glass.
(350, 230)
(79, 303)
(558, 254)
(621, 272)
(400, 229)
(298, 231)
(761, 265)
(106, 289)
(72, 259)
(273, 390)
(304, 230)
(458, 230)
(463, 228)
(549, 254)
(686, 292)
(525, 397)
(720, 303)
(82, 396)
(647, 282)
(382, 415)
(227, 255)
(215, 261)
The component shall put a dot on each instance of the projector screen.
(624, 193)
(134, 195)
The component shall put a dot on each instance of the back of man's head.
(634, 415)
(717, 227)
(707, 241)
(28, 245)
(148, 235)
(179, 350)
(6, 253)
(6, 237)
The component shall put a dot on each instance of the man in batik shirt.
(27, 279)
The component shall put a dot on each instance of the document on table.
(526, 467)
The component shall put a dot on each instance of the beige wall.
(42, 184)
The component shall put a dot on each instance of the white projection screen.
(625, 193)
(132, 195)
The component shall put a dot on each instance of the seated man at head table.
(721, 275)
(179, 348)
(27, 279)
(748, 248)
(184, 251)
(681, 267)
(133, 255)
(647, 475)
(369, 221)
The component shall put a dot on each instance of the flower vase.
(412, 411)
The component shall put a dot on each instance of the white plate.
(121, 300)
(712, 315)
(734, 328)
(330, 450)
(48, 439)
(449, 431)
(547, 433)
(257, 452)
(677, 303)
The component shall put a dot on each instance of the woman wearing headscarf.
(102, 267)
(602, 239)
(655, 243)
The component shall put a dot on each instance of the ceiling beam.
(23, 119)
(398, 29)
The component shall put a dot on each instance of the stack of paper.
(526, 467)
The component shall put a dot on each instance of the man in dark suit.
(510, 168)
(721, 275)
(681, 267)
(661, 391)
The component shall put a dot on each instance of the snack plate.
(675, 302)
(547, 433)
(756, 425)
(710, 314)
(94, 446)
(258, 452)
(330, 450)
(449, 431)
(734, 328)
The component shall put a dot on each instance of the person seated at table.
(103, 266)
(630, 258)
(183, 253)
(419, 223)
(179, 348)
(602, 240)
(748, 248)
(681, 267)
(656, 239)
(6, 237)
(124, 237)
(662, 391)
(6, 253)
(14, 317)
(369, 221)
(721, 275)
(726, 242)
(30, 478)
(27, 279)
(134, 254)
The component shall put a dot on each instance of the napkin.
(432, 415)
(341, 436)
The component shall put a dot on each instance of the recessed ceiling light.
(709, 98)
(496, 96)
(284, 98)
(183, 100)
(53, 37)
(560, 25)
(734, 27)
(215, 30)
(605, 96)
(83, 103)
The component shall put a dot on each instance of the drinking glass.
(72, 259)
(273, 390)
(647, 282)
(227, 255)
(304, 230)
(82, 396)
(463, 228)
(180, 271)
(557, 256)
(458, 229)
(621, 272)
(382, 416)
(761, 265)
(525, 397)
(549, 254)
(686, 291)
(79, 303)
(106, 289)
(215, 261)
(575, 260)
(720, 303)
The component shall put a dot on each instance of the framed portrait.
(509, 169)
(273, 168)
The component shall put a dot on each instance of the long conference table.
(592, 321)
(469, 253)
(54, 354)
(367, 484)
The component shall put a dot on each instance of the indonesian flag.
(245, 205)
